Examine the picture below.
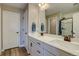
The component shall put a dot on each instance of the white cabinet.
(51, 49)
(42, 19)
(39, 48)
(37, 16)
(32, 16)
(32, 48)
(35, 47)
(54, 51)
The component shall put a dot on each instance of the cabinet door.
(32, 16)
(46, 53)
(35, 50)
(31, 45)
(32, 49)
(76, 24)
(42, 20)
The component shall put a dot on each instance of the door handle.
(38, 43)
(38, 51)
(17, 32)
(25, 33)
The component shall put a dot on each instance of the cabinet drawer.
(56, 51)
(51, 49)
(39, 51)
(37, 42)
(46, 53)
(36, 50)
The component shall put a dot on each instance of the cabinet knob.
(31, 44)
(25, 33)
(38, 51)
(38, 43)
(17, 32)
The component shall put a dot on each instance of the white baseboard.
(21, 46)
(0, 52)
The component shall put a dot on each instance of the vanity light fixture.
(43, 6)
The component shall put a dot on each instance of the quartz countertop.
(58, 42)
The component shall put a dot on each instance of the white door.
(66, 27)
(0, 29)
(11, 29)
(76, 25)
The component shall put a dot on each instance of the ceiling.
(17, 5)
(53, 7)
(61, 7)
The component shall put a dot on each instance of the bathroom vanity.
(51, 45)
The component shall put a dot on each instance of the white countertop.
(58, 42)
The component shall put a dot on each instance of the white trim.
(48, 25)
(0, 29)
(21, 46)
(57, 25)
(0, 52)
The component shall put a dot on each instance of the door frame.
(8, 8)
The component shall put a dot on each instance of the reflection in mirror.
(62, 19)
(65, 27)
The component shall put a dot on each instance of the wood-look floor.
(15, 52)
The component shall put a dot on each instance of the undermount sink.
(66, 45)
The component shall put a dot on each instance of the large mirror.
(62, 19)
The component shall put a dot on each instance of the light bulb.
(43, 6)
